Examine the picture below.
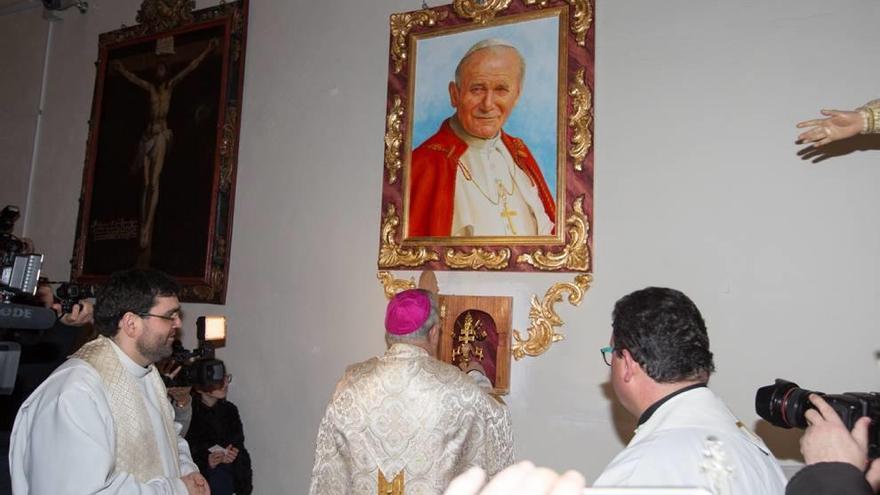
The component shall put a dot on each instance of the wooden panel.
(494, 313)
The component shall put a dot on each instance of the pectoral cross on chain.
(506, 212)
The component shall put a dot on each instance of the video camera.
(70, 294)
(199, 367)
(784, 404)
(19, 276)
(19, 270)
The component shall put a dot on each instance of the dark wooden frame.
(193, 219)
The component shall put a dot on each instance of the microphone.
(19, 316)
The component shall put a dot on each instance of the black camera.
(19, 270)
(198, 367)
(784, 404)
(69, 294)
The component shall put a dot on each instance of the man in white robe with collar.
(102, 422)
(660, 365)
(408, 422)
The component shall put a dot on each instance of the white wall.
(698, 187)
(23, 37)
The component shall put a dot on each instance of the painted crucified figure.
(157, 137)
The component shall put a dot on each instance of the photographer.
(837, 459)
(41, 352)
(44, 350)
(180, 396)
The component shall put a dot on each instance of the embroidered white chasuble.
(100, 424)
(407, 412)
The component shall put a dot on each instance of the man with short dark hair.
(101, 422)
(660, 366)
(407, 419)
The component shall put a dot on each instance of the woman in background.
(216, 440)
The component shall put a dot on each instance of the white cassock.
(694, 440)
(493, 196)
(407, 412)
(65, 441)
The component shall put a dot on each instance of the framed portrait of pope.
(488, 145)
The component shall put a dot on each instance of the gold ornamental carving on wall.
(391, 254)
(580, 120)
(393, 139)
(478, 258)
(582, 19)
(575, 255)
(401, 24)
(162, 15)
(544, 319)
(481, 11)
(393, 285)
(568, 247)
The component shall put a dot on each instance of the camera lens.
(783, 404)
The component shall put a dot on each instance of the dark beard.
(154, 354)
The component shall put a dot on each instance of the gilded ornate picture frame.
(446, 124)
(159, 175)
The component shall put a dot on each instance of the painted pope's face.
(490, 86)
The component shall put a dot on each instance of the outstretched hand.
(520, 479)
(837, 125)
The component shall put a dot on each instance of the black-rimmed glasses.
(606, 354)
(176, 315)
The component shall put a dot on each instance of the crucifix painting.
(159, 177)
(157, 138)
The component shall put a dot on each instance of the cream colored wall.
(19, 100)
(698, 187)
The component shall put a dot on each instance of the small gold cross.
(507, 213)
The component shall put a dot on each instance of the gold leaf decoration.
(394, 285)
(544, 319)
(540, 3)
(162, 15)
(393, 139)
(582, 18)
(390, 253)
(481, 11)
(401, 24)
(582, 138)
(227, 148)
(478, 258)
(575, 255)
(393, 487)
